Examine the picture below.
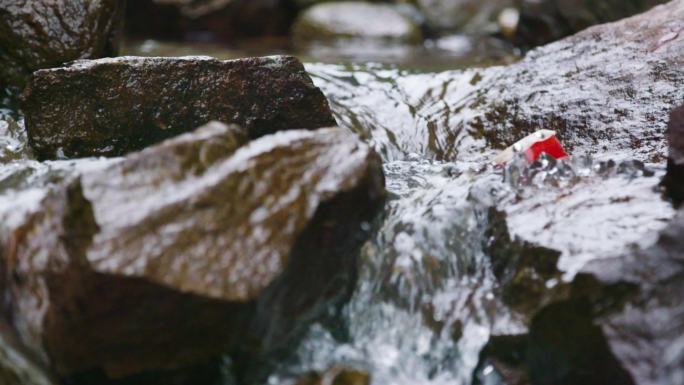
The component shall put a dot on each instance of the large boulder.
(109, 107)
(189, 249)
(544, 21)
(39, 34)
(606, 90)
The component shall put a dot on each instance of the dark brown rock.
(186, 250)
(674, 180)
(114, 106)
(544, 21)
(39, 34)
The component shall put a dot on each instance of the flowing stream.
(427, 299)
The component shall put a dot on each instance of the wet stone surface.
(110, 107)
(36, 34)
(607, 90)
(117, 247)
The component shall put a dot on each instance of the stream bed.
(430, 292)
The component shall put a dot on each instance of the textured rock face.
(114, 106)
(544, 21)
(355, 20)
(39, 34)
(607, 89)
(189, 249)
(620, 105)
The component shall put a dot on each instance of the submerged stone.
(110, 107)
(39, 34)
(192, 248)
(356, 20)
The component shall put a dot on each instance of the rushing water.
(427, 300)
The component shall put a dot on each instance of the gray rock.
(110, 107)
(190, 249)
(38, 34)
(463, 15)
(607, 90)
(355, 19)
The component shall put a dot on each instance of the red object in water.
(549, 146)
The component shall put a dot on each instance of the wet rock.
(35, 35)
(544, 21)
(674, 180)
(109, 107)
(463, 15)
(191, 248)
(356, 20)
(627, 311)
(522, 268)
(619, 109)
(594, 107)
